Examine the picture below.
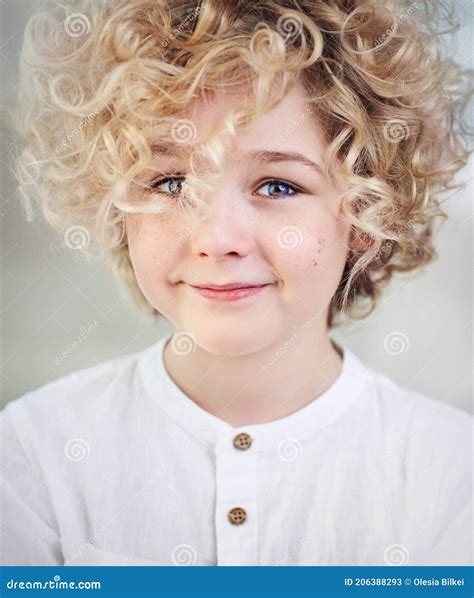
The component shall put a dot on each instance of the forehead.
(209, 114)
(290, 127)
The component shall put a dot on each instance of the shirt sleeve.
(452, 529)
(453, 546)
(29, 533)
(441, 488)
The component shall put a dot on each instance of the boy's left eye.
(279, 188)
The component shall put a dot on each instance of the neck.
(262, 386)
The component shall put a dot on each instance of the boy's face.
(288, 235)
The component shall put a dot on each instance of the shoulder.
(74, 401)
(429, 426)
(429, 417)
(434, 442)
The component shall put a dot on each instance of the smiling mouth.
(229, 287)
(230, 292)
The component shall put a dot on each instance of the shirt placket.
(236, 499)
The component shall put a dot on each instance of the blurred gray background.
(420, 335)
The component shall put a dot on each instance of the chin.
(233, 340)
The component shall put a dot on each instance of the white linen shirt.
(115, 465)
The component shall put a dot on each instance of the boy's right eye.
(170, 185)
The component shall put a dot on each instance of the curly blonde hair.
(100, 80)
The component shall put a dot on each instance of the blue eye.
(171, 184)
(279, 188)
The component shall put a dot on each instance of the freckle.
(315, 263)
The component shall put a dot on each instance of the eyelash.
(153, 186)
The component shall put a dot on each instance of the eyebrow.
(268, 156)
(278, 157)
(167, 149)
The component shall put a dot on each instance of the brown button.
(237, 516)
(243, 441)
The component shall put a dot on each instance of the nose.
(226, 229)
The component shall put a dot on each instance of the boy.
(254, 172)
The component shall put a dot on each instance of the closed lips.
(229, 287)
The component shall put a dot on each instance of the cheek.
(147, 245)
(331, 248)
(313, 254)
